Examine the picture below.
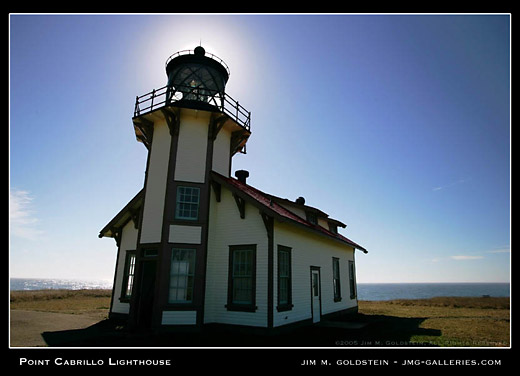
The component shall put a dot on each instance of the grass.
(443, 321)
(62, 301)
(450, 321)
(456, 302)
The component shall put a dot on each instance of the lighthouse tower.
(190, 127)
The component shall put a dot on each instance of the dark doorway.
(146, 295)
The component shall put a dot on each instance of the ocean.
(389, 291)
(366, 291)
(65, 284)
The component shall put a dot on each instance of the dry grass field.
(62, 301)
(445, 322)
(453, 321)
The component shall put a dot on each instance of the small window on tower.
(187, 203)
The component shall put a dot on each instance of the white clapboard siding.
(311, 250)
(191, 148)
(227, 228)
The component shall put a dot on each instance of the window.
(182, 272)
(187, 206)
(284, 279)
(242, 278)
(311, 217)
(128, 276)
(352, 278)
(335, 279)
(315, 285)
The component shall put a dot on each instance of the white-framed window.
(187, 203)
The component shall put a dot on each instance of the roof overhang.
(129, 212)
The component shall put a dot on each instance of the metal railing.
(192, 52)
(168, 95)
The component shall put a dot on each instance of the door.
(147, 287)
(315, 295)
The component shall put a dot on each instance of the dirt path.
(26, 327)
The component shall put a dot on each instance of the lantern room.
(196, 76)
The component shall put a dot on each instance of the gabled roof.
(266, 202)
(130, 211)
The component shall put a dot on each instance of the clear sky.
(397, 125)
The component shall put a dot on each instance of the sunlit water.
(366, 291)
(389, 291)
(67, 284)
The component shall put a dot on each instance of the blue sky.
(398, 125)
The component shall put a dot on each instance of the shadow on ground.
(354, 331)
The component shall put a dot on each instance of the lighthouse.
(198, 245)
(190, 127)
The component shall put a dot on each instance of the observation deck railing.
(192, 97)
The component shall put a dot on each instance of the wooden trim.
(241, 205)
(238, 138)
(117, 235)
(114, 282)
(132, 313)
(145, 130)
(134, 214)
(217, 188)
(204, 209)
(217, 121)
(172, 119)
